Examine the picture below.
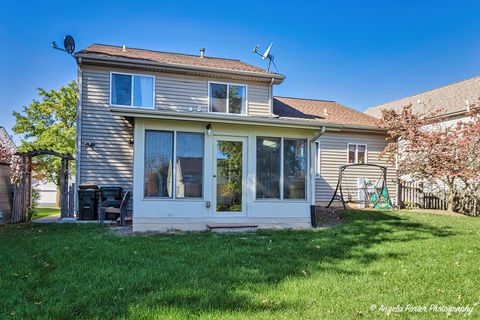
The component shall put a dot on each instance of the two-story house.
(202, 140)
(450, 103)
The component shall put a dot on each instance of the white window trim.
(227, 98)
(355, 161)
(282, 170)
(174, 171)
(131, 90)
(318, 160)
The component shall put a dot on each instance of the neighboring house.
(203, 141)
(48, 193)
(6, 139)
(450, 102)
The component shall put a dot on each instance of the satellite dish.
(266, 55)
(69, 44)
(267, 52)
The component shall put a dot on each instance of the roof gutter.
(239, 119)
(347, 127)
(452, 114)
(218, 118)
(122, 62)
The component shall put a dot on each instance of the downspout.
(313, 218)
(78, 140)
(271, 96)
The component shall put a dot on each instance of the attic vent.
(124, 48)
(202, 52)
(325, 113)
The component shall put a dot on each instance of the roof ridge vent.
(124, 48)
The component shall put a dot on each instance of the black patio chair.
(115, 208)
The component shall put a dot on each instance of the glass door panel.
(229, 175)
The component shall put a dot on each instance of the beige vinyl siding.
(110, 162)
(189, 93)
(181, 94)
(333, 153)
(259, 100)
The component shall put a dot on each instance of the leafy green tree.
(49, 123)
(230, 170)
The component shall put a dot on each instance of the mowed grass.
(67, 271)
(45, 212)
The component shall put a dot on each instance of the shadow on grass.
(65, 271)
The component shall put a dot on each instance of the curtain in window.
(218, 97)
(158, 164)
(268, 168)
(361, 153)
(142, 91)
(351, 153)
(189, 176)
(294, 171)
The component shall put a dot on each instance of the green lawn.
(45, 212)
(62, 271)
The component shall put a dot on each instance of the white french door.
(229, 175)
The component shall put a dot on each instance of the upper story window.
(228, 98)
(132, 90)
(357, 153)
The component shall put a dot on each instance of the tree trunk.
(451, 197)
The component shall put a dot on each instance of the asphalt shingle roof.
(448, 99)
(320, 111)
(102, 50)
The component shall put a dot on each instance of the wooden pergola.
(23, 195)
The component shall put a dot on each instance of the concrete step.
(232, 227)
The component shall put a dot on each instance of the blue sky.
(359, 53)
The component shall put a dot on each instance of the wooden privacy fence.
(20, 204)
(71, 199)
(435, 201)
(5, 193)
(19, 213)
(412, 195)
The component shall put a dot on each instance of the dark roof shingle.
(320, 111)
(170, 58)
(448, 99)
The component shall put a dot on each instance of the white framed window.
(281, 168)
(132, 90)
(227, 98)
(356, 153)
(318, 159)
(173, 165)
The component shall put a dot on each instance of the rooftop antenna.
(266, 55)
(68, 45)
